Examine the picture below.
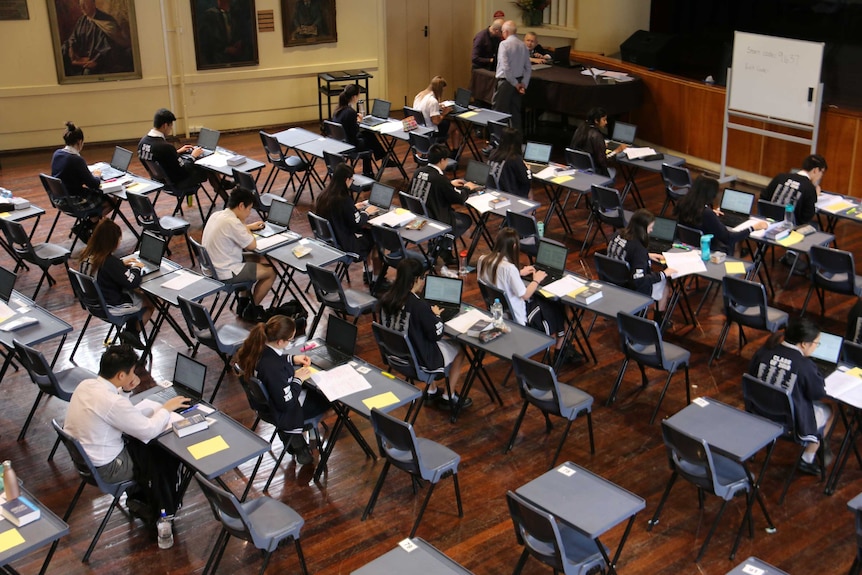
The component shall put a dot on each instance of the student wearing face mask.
(263, 355)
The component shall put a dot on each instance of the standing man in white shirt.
(226, 236)
(513, 74)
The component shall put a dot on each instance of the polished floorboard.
(815, 531)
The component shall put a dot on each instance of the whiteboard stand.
(813, 128)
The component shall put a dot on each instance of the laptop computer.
(381, 198)
(827, 354)
(151, 253)
(7, 283)
(736, 206)
(379, 113)
(208, 141)
(537, 156)
(119, 164)
(462, 101)
(622, 134)
(445, 293)
(339, 347)
(551, 259)
(562, 57)
(278, 218)
(662, 235)
(188, 381)
(477, 173)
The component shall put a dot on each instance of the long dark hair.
(798, 330)
(594, 116)
(637, 228)
(689, 210)
(277, 327)
(506, 245)
(335, 191)
(394, 300)
(346, 95)
(509, 147)
(73, 134)
(104, 240)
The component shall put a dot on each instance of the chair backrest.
(613, 271)
(332, 160)
(274, 153)
(322, 230)
(675, 177)
(390, 245)
(688, 236)
(39, 370)
(229, 512)
(524, 224)
(396, 441)
(851, 353)
(18, 239)
(641, 340)
(490, 292)
(202, 256)
(607, 206)
(334, 130)
(90, 295)
(690, 457)
(142, 207)
(538, 531)
(416, 114)
(421, 144)
(56, 190)
(538, 383)
(327, 287)
(245, 181)
(83, 464)
(770, 401)
(495, 131)
(155, 170)
(258, 399)
(397, 352)
(414, 204)
(200, 323)
(770, 210)
(833, 269)
(580, 160)
(745, 302)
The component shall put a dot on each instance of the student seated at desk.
(120, 280)
(262, 354)
(100, 415)
(786, 363)
(500, 269)
(508, 172)
(349, 224)
(538, 55)
(632, 246)
(345, 114)
(590, 138)
(403, 309)
(695, 211)
(428, 102)
(800, 189)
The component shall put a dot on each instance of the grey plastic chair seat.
(582, 555)
(51, 253)
(361, 183)
(232, 336)
(68, 380)
(267, 198)
(358, 302)
(437, 459)
(273, 521)
(775, 318)
(172, 223)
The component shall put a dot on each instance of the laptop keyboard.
(733, 220)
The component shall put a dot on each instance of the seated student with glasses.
(403, 309)
(785, 362)
(349, 224)
(500, 269)
(263, 355)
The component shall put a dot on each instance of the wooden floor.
(815, 532)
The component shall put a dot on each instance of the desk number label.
(700, 401)
(566, 470)
(752, 570)
(407, 545)
(363, 369)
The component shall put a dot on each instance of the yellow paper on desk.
(4, 215)
(734, 267)
(794, 238)
(10, 539)
(576, 291)
(134, 187)
(855, 372)
(208, 447)
(468, 114)
(546, 293)
(561, 179)
(380, 400)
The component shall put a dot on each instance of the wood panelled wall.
(686, 116)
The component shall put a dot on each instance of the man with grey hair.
(485, 45)
(513, 74)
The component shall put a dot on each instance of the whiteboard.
(775, 77)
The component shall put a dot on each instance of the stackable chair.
(208, 270)
(677, 183)
(60, 198)
(281, 162)
(262, 202)
(42, 255)
(165, 227)
(832, 270)
(178, 192)
(606, 208)
(330, 294)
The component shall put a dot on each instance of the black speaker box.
(648, 49)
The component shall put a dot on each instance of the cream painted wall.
(281, 90)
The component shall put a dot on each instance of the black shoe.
(241, 305)
(131, 338)
(573, 356)
(812, 468)
(300, 450)
(253, 313)
(142, 510)
(448, 403)
(486, 151)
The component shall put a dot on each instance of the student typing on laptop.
(345, 114)
(500, 269)
(118, 280)
(262, 355)
(508, 172)
(590, 138)
(695, 211)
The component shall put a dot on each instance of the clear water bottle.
(540, 227)
(462, 263)
(5, 194)
(497, 313)
(165, 531)
(360, 107)
(788, 214)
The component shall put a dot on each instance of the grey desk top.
(199, 289)
(652, 165)
(321, 254)
(583, 500)
(733, 432)
(516, 204)
(852, 212)
(433, 229)
(44, 530)
(423, 558)
(520, 340)
(138, 185)
(803, 245)
(614, 299)
(716, 272)
(481, 116)
(18, 215)
(217, 163)
(48, 327)
(321, 144)
(754, 566)
(380, 384)
(243, 445)
(398, 134)
(293, 137)
(580, 182)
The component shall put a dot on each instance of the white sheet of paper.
(747, 223)
(340, 381)
(264, 243)
(592, 71)
(480, 202)
(216, 160)
(461, 323)
(547, 173)
(389, 127)
(180, 280)
(635, 153)
(394, 219)
(845, 388)
(564, 285)
(684, 263)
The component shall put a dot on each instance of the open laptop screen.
(462, 97)
(448, 290)
(736, 201)
(152, 248)
(208, 139)
(121, 159)
(537, 153)
(280, 212)
(477, 172)
(190, 374)
(829, 349)
(7, 283)
(624, 133)
(380, 109)
(381, 195)
(551, 255)
(663, 229)
(341, 335)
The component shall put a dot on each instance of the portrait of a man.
(225, 33)
(308, 22)
(94, 39)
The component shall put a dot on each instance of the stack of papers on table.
(564, 285)
(833, 203)
(394, 219)
(463, 322)
(635, 153)
(340, 381)
(684, 263)
(388, 127)
(180, 280)
(215, 160)
(845, 385)
(483, 202)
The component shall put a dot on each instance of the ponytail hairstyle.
(73, 134)
(346, 95)
(407, 272)
(581, 137)
(637, 228)
(277, 327)
(798, 330)
(506, 245)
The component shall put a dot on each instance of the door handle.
(425, 30)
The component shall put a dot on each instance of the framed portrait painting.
(225, 33)
(94, 40)
(306, 22)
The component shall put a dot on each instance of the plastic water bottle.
(497, 313)
(165, 531)
(705, 242)
(5, 194)
(462, 263)
(540, 227)
(360, 107)
(788, 214)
